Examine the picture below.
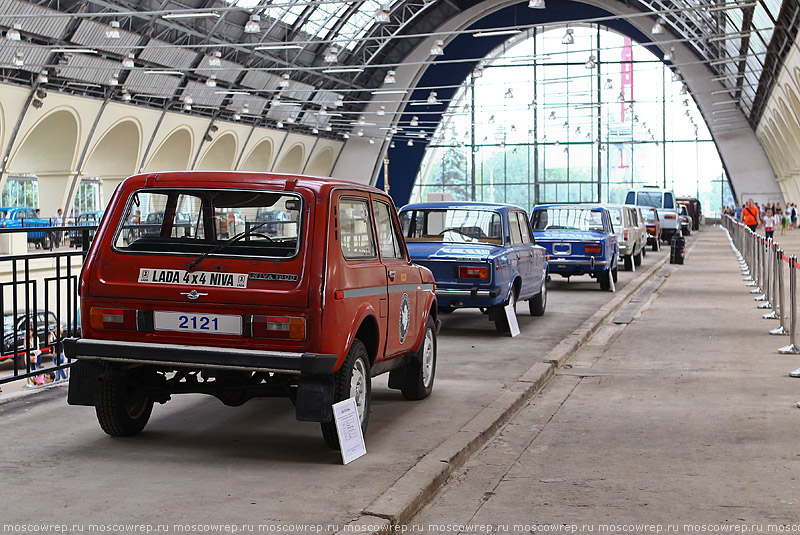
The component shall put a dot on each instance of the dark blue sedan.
(482, 255)
(579, 239)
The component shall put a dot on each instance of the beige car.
(631, 233)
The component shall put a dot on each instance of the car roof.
(242, 179)
(461, 204)
(593, 206)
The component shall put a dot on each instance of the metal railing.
(762, 264)
(40, 305)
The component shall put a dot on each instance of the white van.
(663, 200)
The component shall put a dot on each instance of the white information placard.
(511, 315)
(348, 427)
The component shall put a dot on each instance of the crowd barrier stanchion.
(766, 275)
(773, 282)
(760, 270)
(792, 349)
(780, 330)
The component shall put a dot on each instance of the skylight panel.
(322, 19)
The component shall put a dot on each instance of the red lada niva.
(214, 297)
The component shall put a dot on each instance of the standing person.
(56, 341)
(793, 216)
(769, 224)
(784, 221)
(750, 215)
(738, 212)
(57, 220)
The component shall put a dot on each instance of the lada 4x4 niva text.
(309, 309)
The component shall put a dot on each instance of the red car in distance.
(310, 309)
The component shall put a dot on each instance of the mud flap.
(314, 399)
(84, 384)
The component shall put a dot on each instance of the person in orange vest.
(750, 215)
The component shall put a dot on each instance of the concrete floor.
(201, 462)
(685, 416)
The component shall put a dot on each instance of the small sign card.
(511, 315)
(351, 439)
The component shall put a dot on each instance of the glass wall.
(21, 191)
(546, 121)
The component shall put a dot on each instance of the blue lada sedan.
(482, 255)
(579, 239)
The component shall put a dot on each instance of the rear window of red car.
(195, 221)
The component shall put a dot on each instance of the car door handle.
(392, 274)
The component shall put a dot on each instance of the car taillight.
(625, 235)
(279, 327)
(470, 272)
(112, 318)
(593, 248)
(669, 216)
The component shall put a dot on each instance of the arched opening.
(322, 164)
(292, 161)
(113, 158)
(219, 155)
(42, 166)
(260, 158)
(173, 154)
(544, 122)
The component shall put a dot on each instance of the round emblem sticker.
(405, 317)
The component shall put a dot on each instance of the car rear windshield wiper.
(224, 244)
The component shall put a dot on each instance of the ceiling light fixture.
(19, 60)
(13, 34)
(381, 110)
(438, 48)
(237, 117)
(113, 31)
(658, 27)
(211, 81)
(127, 62)
(215, 61)
(339, 70)
(669, 55)
(284, 81)
(590, 63)
(191, 15)
(172, 73)
(345, 135)
(432, 100)
(126, 97)
(495, 33)
(414, 121)
(390, 92)
(331, 55)
(478, 72)
(509, 93)
(536, 4)
(410, 143)
(285, 46)
(382, 15)
(390, 78)
(608, 84)
(252, 25)
(568, 38)
(280, 124)
(113, 80)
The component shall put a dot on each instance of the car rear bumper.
(472, 293)
(184, 356)
(576, 266)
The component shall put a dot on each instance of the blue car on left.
(482, 255)
(13, 217)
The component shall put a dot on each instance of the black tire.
(643, 250)
(124, 407)
(420, 373)
(656, 245)
(628, 260)
(446, 309)
(500, 320)
(538, 303)
(685, 231)
(47, 241)
(637, 258)
(605, 280)
(357, 361)
(614, 274)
